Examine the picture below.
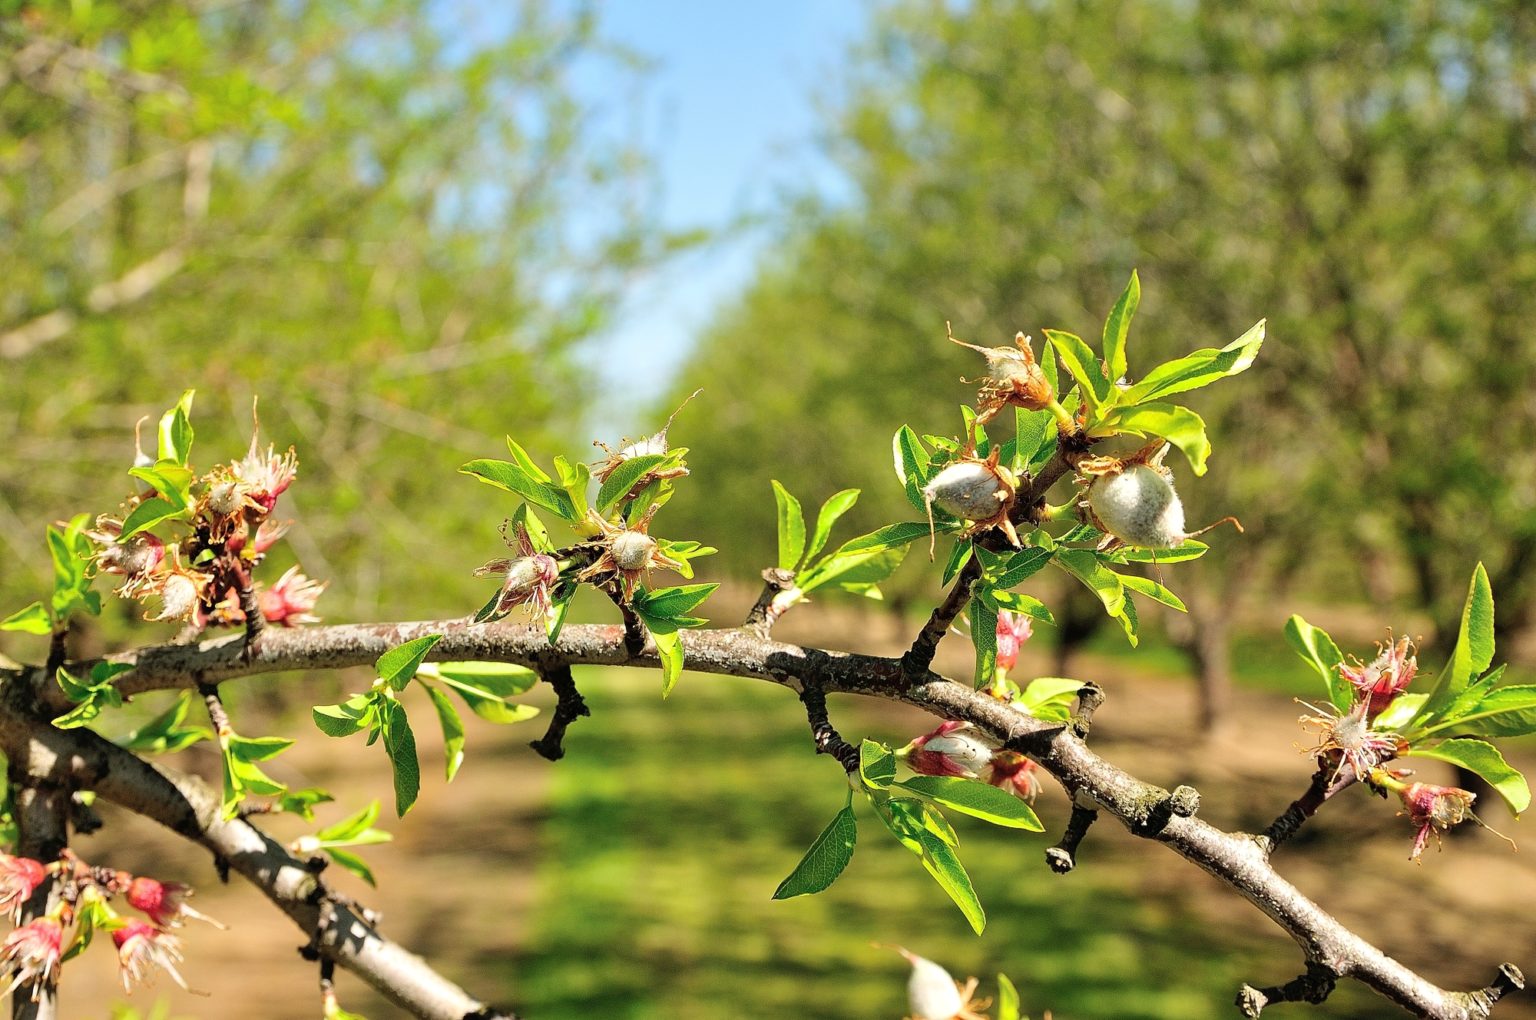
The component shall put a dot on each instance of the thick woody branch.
(188, 807)
(1237, 859)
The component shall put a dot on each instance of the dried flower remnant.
(1349, 741)
(291, 601)
(628, 553)
(1133, 501)
(142, 947)
(164, 903)
(1014, 379)
(135, 560)
(527, 579)
(1434, 809)
(932, 994)
(180, 590)
(20, 877)
(1385, 677)
(652, 444)
(31, 953)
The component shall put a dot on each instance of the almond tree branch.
(1237, 859)
(80, 759)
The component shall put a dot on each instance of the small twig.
(765, 612)
(1325, 783)
(216, 713)
(1062, 857)
(828, 740)
(58, 649)
(1314, 986)
(570, 707)
(916, 660)
(250, 607)
(1507, 980)
(1089, 698)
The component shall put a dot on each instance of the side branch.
(569, 707)
(920, 656)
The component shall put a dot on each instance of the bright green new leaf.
(1050, 697)
(519, 481)
(351, 827)
(1007, 995)
(1099, 579)
(397, 666)
(667, 603)
(1179, 425)
(575, 481)
(791, 522)
(1201, 368)
(1081, 363)
(1315, 646)
(1190, 550)
(861, 557)
(175, 432)
(1502, 712)
(669, 649)
(521, 458)
(165, 734)
(498, 679)
(1033, 431)
(1013, 569)
(1018, 602)
(1152, 590)
(168, 478)
(1485, 760)
(877, 764)
(825, 860)
(836, 505)
(352, 863)
(906, 820)
(400, 745)
(624, 477)
(254, 749)
(984, 637)
(33, 619)
(302, 802)
(453, 731)
(1396, 716)
(1118, 325)
(1474, 646)
(147, 514)
(959, 556)
(912, 465)
(345, 719)
(975, 798)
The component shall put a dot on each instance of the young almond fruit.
(1134, 502)
(979, 491)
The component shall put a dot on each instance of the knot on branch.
(569, 707)
(1314, 986)
(765, 612)
(1509, 979)
(1160, 807)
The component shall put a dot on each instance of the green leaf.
(1099, 579)
(975, 798)
(825, 860)
(147, 514)
(1484, 759)
(1474, 645)
(345, 719)
(397, 666)
(1201, 368)
(171, 480)
(912, 465)
(175, 432)
(1050, 697)
(352, 863)
(1502, 712)
(836, 505)
(791, 521)
(1190, 550)
(667, 603)
(525, 462)
(485, 687)
(575, 481)
(1179, 425)
(1007, 995)
(351, 826)
(1152, 590)
(877, 764)
(453, 730)
(1118, 325)
(302, 802)
(1079, 361)
(959, 556)
(1012, 569)
(519, 481)
(400, 745)
(624, 478)
(1315, 646)
(866, 551)
(1018, 602)
(165, 734)
(906, 822)
(254, 749)
(1033, 431)
(34, 619)
(669, 648)
(984, 637)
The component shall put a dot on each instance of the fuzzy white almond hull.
(1139, 507)
(969, 490)
(931, 992)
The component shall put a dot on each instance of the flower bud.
(954, 749)
(1013, 629)
(1011, 771)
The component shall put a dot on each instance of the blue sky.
(731, 116)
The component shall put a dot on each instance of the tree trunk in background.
(1079, 614)
(1210, 646)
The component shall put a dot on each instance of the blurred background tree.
(1359, 173)
(395, 223)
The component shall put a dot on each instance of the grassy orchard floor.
(632, 879)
